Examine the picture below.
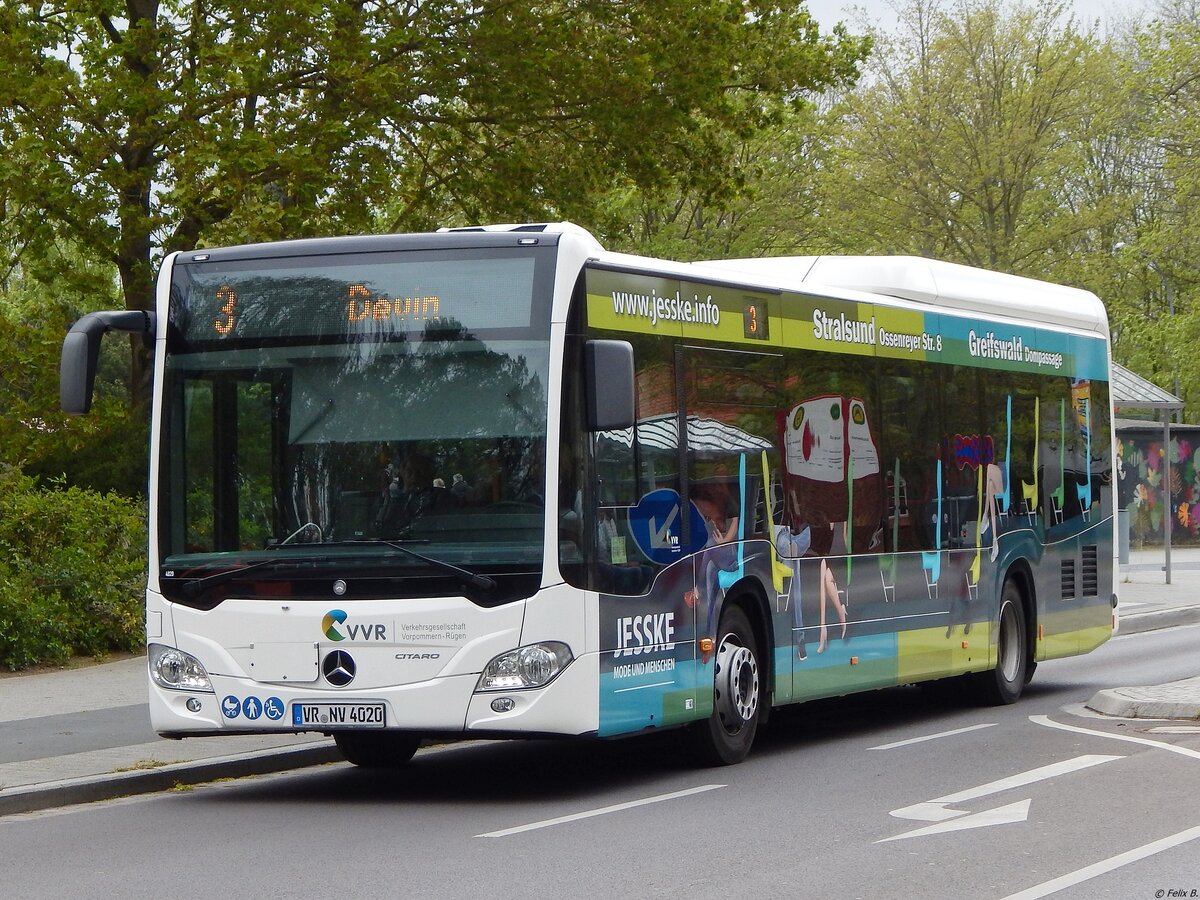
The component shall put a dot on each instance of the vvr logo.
(329, 624)
(370, 631)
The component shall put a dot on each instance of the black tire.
(725, 737)
(1003, 684)
(377, 749)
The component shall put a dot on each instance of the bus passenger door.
(636, 547)
(734, 489)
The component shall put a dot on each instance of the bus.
(499, 482)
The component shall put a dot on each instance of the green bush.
(72, 572)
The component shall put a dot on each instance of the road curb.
(1125, 703)
(89, 789)
(1136, 623)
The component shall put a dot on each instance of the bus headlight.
(531, 666)
(176, 670)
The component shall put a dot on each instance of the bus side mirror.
(608, 368)
(81, 352)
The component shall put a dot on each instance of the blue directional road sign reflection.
(252, 707)
(657, 528)
(273, 707)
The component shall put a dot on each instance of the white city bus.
(501, 483)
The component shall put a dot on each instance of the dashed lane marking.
(604, 810)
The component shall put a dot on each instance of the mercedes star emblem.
(338, 668)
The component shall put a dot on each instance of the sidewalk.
(1147, 603)
(77, 735)
(74, 736)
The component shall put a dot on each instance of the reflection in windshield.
(440, 439)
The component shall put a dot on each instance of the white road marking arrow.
(938, 810)
(1003, 815)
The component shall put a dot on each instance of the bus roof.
(952, 286)
(956, 287)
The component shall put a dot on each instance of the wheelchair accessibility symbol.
(273, 707)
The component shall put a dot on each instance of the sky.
(830, 12)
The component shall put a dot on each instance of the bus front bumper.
(446, 706)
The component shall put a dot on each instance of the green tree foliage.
(1157, 313)
(148, 125)
(774, 210)
(967, 140)
(72, 573)
(764, 201)
(105, 450)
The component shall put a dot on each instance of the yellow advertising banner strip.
(640, 304)
(649, 304)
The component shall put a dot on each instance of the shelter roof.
(1130, 391)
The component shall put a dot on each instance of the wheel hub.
(737, 684)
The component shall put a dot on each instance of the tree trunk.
(138, 156)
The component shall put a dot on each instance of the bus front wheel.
(377, 749)
(1004, 683)
(725, 737)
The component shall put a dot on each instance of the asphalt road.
(889, 794)
(96, 729)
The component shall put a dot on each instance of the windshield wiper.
(194, 586)
(483, 582)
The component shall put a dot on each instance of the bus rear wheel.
(1003, 684)
(725, 737)
(377, 749)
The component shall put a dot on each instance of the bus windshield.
(355, 402)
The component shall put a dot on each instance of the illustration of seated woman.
(721, 517)
(826, 539)
(989, 523)
(791, 546)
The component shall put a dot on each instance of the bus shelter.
(1132, 392)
